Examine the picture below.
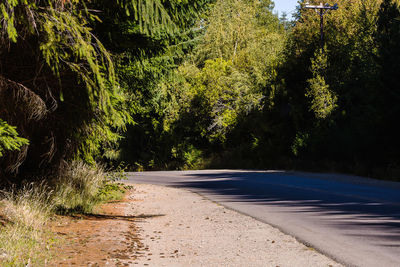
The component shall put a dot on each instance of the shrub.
(77, 187)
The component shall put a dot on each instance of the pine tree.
(58, 82)
(9, 139)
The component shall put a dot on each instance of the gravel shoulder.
(181, 228)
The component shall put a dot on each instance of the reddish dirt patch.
(108, 237)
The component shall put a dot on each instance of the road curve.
(354, 220)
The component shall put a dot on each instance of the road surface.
(355, 221)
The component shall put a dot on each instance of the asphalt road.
(355, 221)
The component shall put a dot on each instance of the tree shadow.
(338, 204)
(102, 217)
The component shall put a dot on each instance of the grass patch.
(21, 246)
(111, 192)
(23, 237)
(82, 187)
(77, 187)
(30, 206)
(24, 212)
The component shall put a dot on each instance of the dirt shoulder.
(190, 230)
(162, 226)
(106, 238)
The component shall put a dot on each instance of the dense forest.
(184, 84)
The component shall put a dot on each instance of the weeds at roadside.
(20, 245)
(24, 212)
(76, 189)
(30, 206)
(82, 187)
(23, 238)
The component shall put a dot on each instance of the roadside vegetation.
(26, 210)
(23, 238)
(257, 91)
(193, 84)
(65, 102)
(185, 84)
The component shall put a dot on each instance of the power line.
(322, 10)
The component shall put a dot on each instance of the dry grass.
(30, 206)
(21, 246)
(76, 189)
(24, 212)
(23, 238)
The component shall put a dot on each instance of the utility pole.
(321, 10)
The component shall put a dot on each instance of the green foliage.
(323, 101)
(337, 106)
(188, 79)
(227, 72)
(299, 143)
(234, 64)
(66, 41)
(257, 90)
(9, 139)
(219, 94)
(69, 102)
(186, 156)
(111, 192)
(147, 70)
(69, 93)
(388, 59)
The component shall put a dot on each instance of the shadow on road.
(342, 205)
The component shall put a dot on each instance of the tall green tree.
(145, 61)
(232, 68)
(57, 81)
(354, 131)
(388, 59)
(226, 58)
(59, 85)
